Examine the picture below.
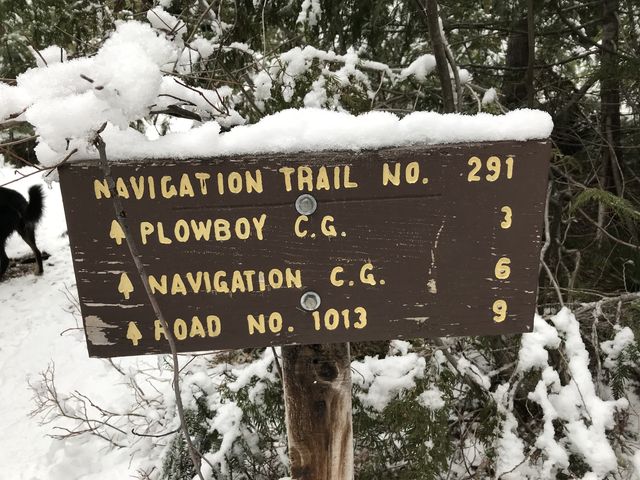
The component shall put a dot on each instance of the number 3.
(506, 222)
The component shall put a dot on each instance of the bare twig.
(603, 230)
(429, 9)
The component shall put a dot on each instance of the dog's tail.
(36, 204)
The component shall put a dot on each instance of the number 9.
(500, 310)
(493, 165)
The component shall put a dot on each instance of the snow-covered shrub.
(423, 410)
(237, 422)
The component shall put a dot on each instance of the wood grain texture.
(317, 393)
(433, 246)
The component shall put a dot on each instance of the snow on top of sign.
(315, 129)
(131, 74)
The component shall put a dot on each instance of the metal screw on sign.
(310, 301)
(306, 204)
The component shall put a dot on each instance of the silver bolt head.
(306, 204)
(310, 301)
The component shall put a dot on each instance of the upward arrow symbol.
(125, 287)
(116, 232)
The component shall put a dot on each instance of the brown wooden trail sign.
(420, 241)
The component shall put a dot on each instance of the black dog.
(18, 215)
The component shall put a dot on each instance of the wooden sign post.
(311, 249)
(317, 394)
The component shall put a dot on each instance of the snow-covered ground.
(40, 327)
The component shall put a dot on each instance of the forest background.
(578, 61)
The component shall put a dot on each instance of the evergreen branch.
(621, 206)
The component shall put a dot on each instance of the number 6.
(503, 270)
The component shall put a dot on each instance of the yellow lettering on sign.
(293, 278)
(476, 163)
(326, 226)
(220, 285)
(260, 324)
(322, 182)
(167, 190)
(387, 176)
(222, 229)
(177, 285)
(248, 277)
(275, 278)
(237, 282)
(235, 182)
(502, 270)
(288, 173)
(152, 188)
(365, 276)
(159, 330)
(146, 229)
(243, 228)
(275, 322)
(133, 333)
(180, 329)
(137, 185)
(101, 189)
(509, 162)
(330, 320)
(197, 329)
(214, 326)
(125, 287)
(412, 173)
(336, 178)
(158, 287)
(116, 233)
(362, 318)
(347, 181)
(254, 184)
(220, 183)
(161, 237)
(305, 178)
(186, 189)
(181, 231)
(203, 177)
(506, 223)
(121, 188)
(300, 233)
(258, 223)
(493, 165)
(500, 310)
(256, 324)
(201, 230)
(333, 278)
(194, 282)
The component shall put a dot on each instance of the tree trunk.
(531, 57)
(610, 176)
(514, 84)
(317, 394)
(610, 90)
(430, 11)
